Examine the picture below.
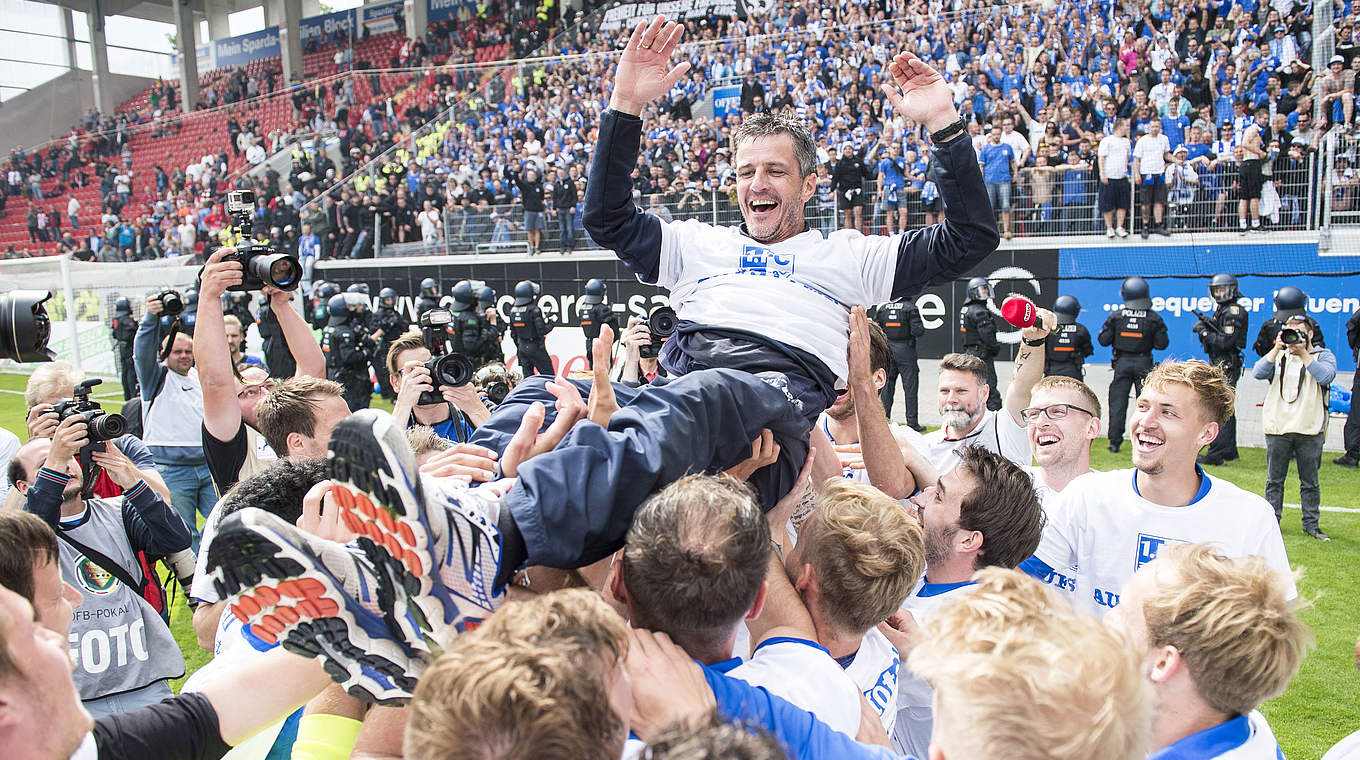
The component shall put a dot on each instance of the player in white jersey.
(1018, 674)
(983, 513)
(695, 567)
(1217, 636)
(1063, 419)
(870, 448)
(856, 558)
(1112, 523)
(963, 392)
(774, 294)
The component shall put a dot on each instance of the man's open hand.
(644, 73)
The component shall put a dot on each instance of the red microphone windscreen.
(1018, 311)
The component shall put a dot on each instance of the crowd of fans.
(1055, 79)
(730, 551)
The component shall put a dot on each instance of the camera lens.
(24, 326)
(450, 370)
(497, 391)
(662, 322)
(1290, 336)
(277, 270)
(107, 426)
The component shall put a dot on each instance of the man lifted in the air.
(774, 295)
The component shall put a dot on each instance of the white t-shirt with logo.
(797, 291)
(804, 673)
(1064, 580)
(1102, 526)
(914, 721)
(876, 670)
(998, 432)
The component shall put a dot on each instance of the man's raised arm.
(612, 219)
(212, 355)
(939, 253)
(297, 335)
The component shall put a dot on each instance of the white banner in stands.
(379, 18)
(626, 15)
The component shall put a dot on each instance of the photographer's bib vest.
(174, 418)
(1295, 402)
(119, 643)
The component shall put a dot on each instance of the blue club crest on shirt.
(761, 261)
(1148, 546)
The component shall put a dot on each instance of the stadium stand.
(450, 113)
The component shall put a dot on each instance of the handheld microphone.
(1019, 311)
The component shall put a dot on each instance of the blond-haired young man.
(1217, 637)
(1110, 524)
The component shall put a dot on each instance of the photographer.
(636, 369)
(232, 444)
(100, 539)
(455, 418)
(172, 414)
(1294, 416)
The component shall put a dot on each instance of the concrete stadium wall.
(48, 111)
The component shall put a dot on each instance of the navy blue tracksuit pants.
(574, 505)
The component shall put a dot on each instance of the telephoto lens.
(1289, 336)
(172, 303)
(24, 326)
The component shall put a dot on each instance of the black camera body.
(172, 303)
(661, 323)
(261, 264)
(446, 369)
(103, 426)
(1289, 336)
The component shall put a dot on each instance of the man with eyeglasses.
(233, 444)
(1109, 524)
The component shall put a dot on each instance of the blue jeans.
(191, 491)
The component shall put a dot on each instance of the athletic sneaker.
(1121, 232)
(1109, 232)
(437, 540)
(318, 599)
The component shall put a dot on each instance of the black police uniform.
(493, 333)
(392, 323)
(978, 326)
(347, 351)
(277, 356)
(465, 334)
(240, 308)
(1134, 334)
(593, 317)
(425, 303)
(901, 323)
(1351, 433)
(1066, 349)
(529, 330)
(124, 331)
(1224, 338)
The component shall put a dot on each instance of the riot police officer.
(901, 322)
(978, 326)
(190, 311)
(389, 324)
(1134, 331)
(1289, 302)
(348, 350)
(465, 327)
(529, 330)
(277, 356)
(319, 315)
(124, 330)
(1066, 348)
(429, 296)
(1224, 336)
(365, 323)
(594, 313)
(493, 326)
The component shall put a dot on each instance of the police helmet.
(1067, 308)
(525, 291)
(1136, 293)
(337, 306)
(594, 292)
(486, 297)
(1290, 302)
(191, 299)
(358, 287)
(326, 291)
(387, 297)
(429, 288)
(979, 289)
(1223, 288)
(122, 307)
(463, 297)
